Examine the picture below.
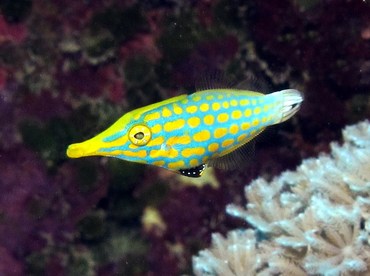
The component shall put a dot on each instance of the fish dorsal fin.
(193, 172)
(236, 158)
(213, 80)
(252, 83)
(218, 80)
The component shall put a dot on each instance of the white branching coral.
(312, 221)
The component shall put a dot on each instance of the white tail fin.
(291, 100)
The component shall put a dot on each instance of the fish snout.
(87, 148)
(75, 151)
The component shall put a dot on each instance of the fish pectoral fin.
(193, 172)
(236, 158)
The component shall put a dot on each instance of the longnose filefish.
(187, 133)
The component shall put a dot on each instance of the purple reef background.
(70, 68)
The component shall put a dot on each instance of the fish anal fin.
(194, 171)
(237, 157)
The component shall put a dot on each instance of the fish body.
(187, 132)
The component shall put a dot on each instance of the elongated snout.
(83, 149)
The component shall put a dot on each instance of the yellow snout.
(75, 151)
(86, 148)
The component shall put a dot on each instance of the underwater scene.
(170, 137)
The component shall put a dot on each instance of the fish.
(188, 133)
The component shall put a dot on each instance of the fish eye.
(140, 135)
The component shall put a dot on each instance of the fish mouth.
(75, 151)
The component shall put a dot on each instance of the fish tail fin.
(291, 100)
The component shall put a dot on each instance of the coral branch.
(315, 220)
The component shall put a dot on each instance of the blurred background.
(68, 69)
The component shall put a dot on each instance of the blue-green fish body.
(187, 132)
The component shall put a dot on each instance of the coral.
(314, 220)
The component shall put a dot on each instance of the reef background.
(70, 68)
